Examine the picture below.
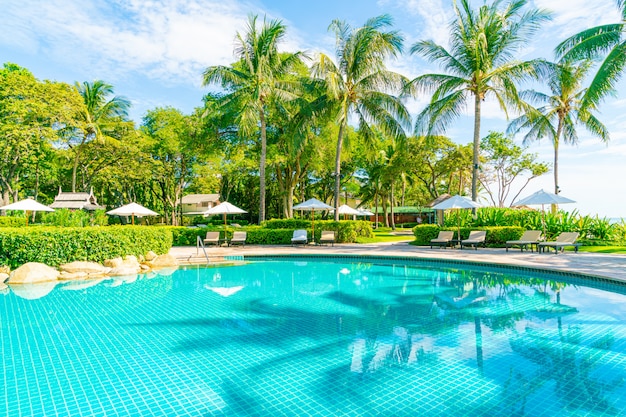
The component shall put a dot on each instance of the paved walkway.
(609, 266)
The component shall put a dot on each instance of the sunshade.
(542, 197)
(28, 204)
(224, 209)
(132, 209)
(312, 204)
(346, 209)
(455, 203)
(363, 212)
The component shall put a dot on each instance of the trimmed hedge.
(496, 235)
(287, 224)
(6, 221)
(58, 245)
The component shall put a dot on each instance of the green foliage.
(6, 221)
(58, 245)
(496, 235)
(424, 233)
(287, 224)
(75, 218)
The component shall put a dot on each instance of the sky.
(154, 52)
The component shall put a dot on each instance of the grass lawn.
(603, 249)
(386, 235)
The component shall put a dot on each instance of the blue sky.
(154, 52)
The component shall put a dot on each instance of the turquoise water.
(315, 338)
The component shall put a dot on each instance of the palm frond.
(438, 115)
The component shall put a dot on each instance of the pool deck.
(600, 265)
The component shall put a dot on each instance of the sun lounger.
(239, 238)
(443, 239)
(529, 238)
(328, 236)
(299, 237)
(212, 238)
(563, 240)
(475, 238)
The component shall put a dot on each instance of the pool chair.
(443, 239)
(299, 237)
(328, 236)
(475, 238)
(212, 238)
(528, 239)
(239, 238)
(562, 240)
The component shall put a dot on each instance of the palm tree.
(560, 111)
(359, 83)
(479, 64)
(99, 115)
(592, 44)
(254, 81)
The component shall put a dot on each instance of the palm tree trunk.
(262, 167)
(75, 170)
(476, 155)
(559, 129)
(338, 169)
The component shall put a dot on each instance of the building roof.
(200, 198)
(76, 201)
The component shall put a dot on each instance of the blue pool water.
(316, 338)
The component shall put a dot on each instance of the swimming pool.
(333, 337)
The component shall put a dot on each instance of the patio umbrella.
(455, 203)
(312, 204)
(363, 212)
(132, 209)
(542, 197)
(224, 209)
(26, 205)
(346, 210)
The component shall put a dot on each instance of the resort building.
(197, 204)
(76, 201)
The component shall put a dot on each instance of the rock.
(5, 269)
(64, 275)
(114, 263)
(162, 261)
(33, 291)
(3, 286)
(82, 266)
(131, 260)
(33, 272)
(144, 267)
(150, 256)
(3, 277)
(125, 270)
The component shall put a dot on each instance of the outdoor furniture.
(328, 236)
(562, 240)
(239, 238)
(443, 239)
(212, 238)
(475, 238)
(529, 238)
(299, 237)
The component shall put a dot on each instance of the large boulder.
(124, 270)
(150, 256)
(163, 261)
(3, 277)
(114, 263)
(89, 268)
(33, 272)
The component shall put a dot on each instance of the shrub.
(287, 224)
(55, 245)
(424, 233)
(6, 221)
(496, 235)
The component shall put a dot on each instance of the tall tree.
(480, 63)
(559, 111)
(359, 83)
(254, 81)
(604, 40)
(99, 118)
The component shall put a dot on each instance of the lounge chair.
(212, 238)
(475, 238)
(299, 237)
(239, 238)
(529, 238)
(443, 239)
(562, 240)
(328, 236)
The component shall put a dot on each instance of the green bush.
(424, 233)
(6, 221)
(75, 218)
(496, 235)
(58, 245)
(287, 224)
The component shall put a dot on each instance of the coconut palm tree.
(254, 81)
(593, 43)
(480, 63)
(560, 111)
(100, 113)
(360, 85)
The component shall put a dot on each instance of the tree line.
(279, 127)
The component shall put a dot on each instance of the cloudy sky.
(154, 52)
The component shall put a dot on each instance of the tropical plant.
(560, 111)
(359, 83)
(479, 64)
(593, 43)
(254, 81)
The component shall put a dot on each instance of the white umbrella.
(542, 197)
(346, 210)
(363, 212)
(28, 204)
(312, 204)
(132, 209)
(457, 202)
(224, 209)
